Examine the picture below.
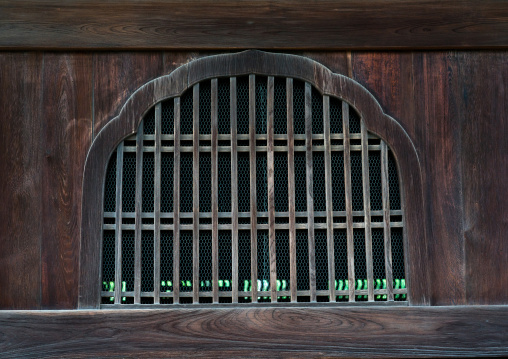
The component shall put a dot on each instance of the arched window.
(257, 184)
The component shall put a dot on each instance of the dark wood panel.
(482, 92)
(116, 77)
(20, 180)
(416, 89)
(323, 24)
(67, 114)
(258, 332)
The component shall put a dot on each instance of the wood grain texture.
(116, 76)
(258, 332)
(323, 24)
(67, 113)
(21, 154)
(481, 90)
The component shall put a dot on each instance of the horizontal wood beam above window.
(322, 24)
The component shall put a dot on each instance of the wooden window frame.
(259, 63)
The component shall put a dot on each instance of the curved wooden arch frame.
(261, 63)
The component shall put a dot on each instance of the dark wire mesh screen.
(163, 230)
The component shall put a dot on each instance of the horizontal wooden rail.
(258, 332)
(200, 24)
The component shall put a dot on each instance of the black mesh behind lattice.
(318, 171)
(263, 259)
(205, 103)
(317, 112)
(186, 113)
(147, 257)
(378, 253)
(394, 182)
(108, 260)
(354, 121)
(280, 106)
(225, 260)
(243, 182)
(397, 253)
(149, 122)
(335, 115)
(360, 260)
(300, 182)
(299, 107)
(205, 260)
(128, 260)
(110, 185)
(168, 117)
(302, 260)
(148, 182)
(282, 260)
(129, 182)
(281, 181)
(261, 82)
(242, 105)
(205, 182)
(338, 189)
(357, 181)
(186, 182)
(166, 260)
(261, 182)
(167, 174)
(186, 261)
(376, 197)
(244, 261)
(321, 259)
(224, 180)
(340, 255)
(223, 109)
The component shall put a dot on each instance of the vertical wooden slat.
(366, 207)
(234, 188)
(349, 203)
(271, 192)
(118, 222)
(195, 195)
(328, 190)
(253, 205)
(157, 206)
(310, 191)
(291, 191)
(176, 206)
(138, 209)
(386, 219)
(215, 198)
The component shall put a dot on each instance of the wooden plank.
(484, 170)
(21, 162)
(195, 195)
(157, 206)
(291, 190)
(110, 95)
(318, 25)
(138, 210)
(215, 192)
(67, 137)
(386, 219)
(366, 208)
(271, 191)
(176, 205)
(234, 188)
(259, 332)
(253, 204)
(118, 223)
(349, 202)
(329, 203)
(310, 191)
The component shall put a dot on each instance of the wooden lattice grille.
(252, 189)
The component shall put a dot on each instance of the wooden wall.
(453, 105)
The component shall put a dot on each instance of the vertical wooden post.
(386, 219)
(366, 209)
(195, 195)
(138, 210)
(157, 207)
(118, 224)
(215, 198)
(291, 190)
(176, 207)
(253, 204)
(271, 191)
(234, 189)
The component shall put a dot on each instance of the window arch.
(255, 233)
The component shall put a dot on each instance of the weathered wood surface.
(258, 332)
(21, 164)
(323, 24)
